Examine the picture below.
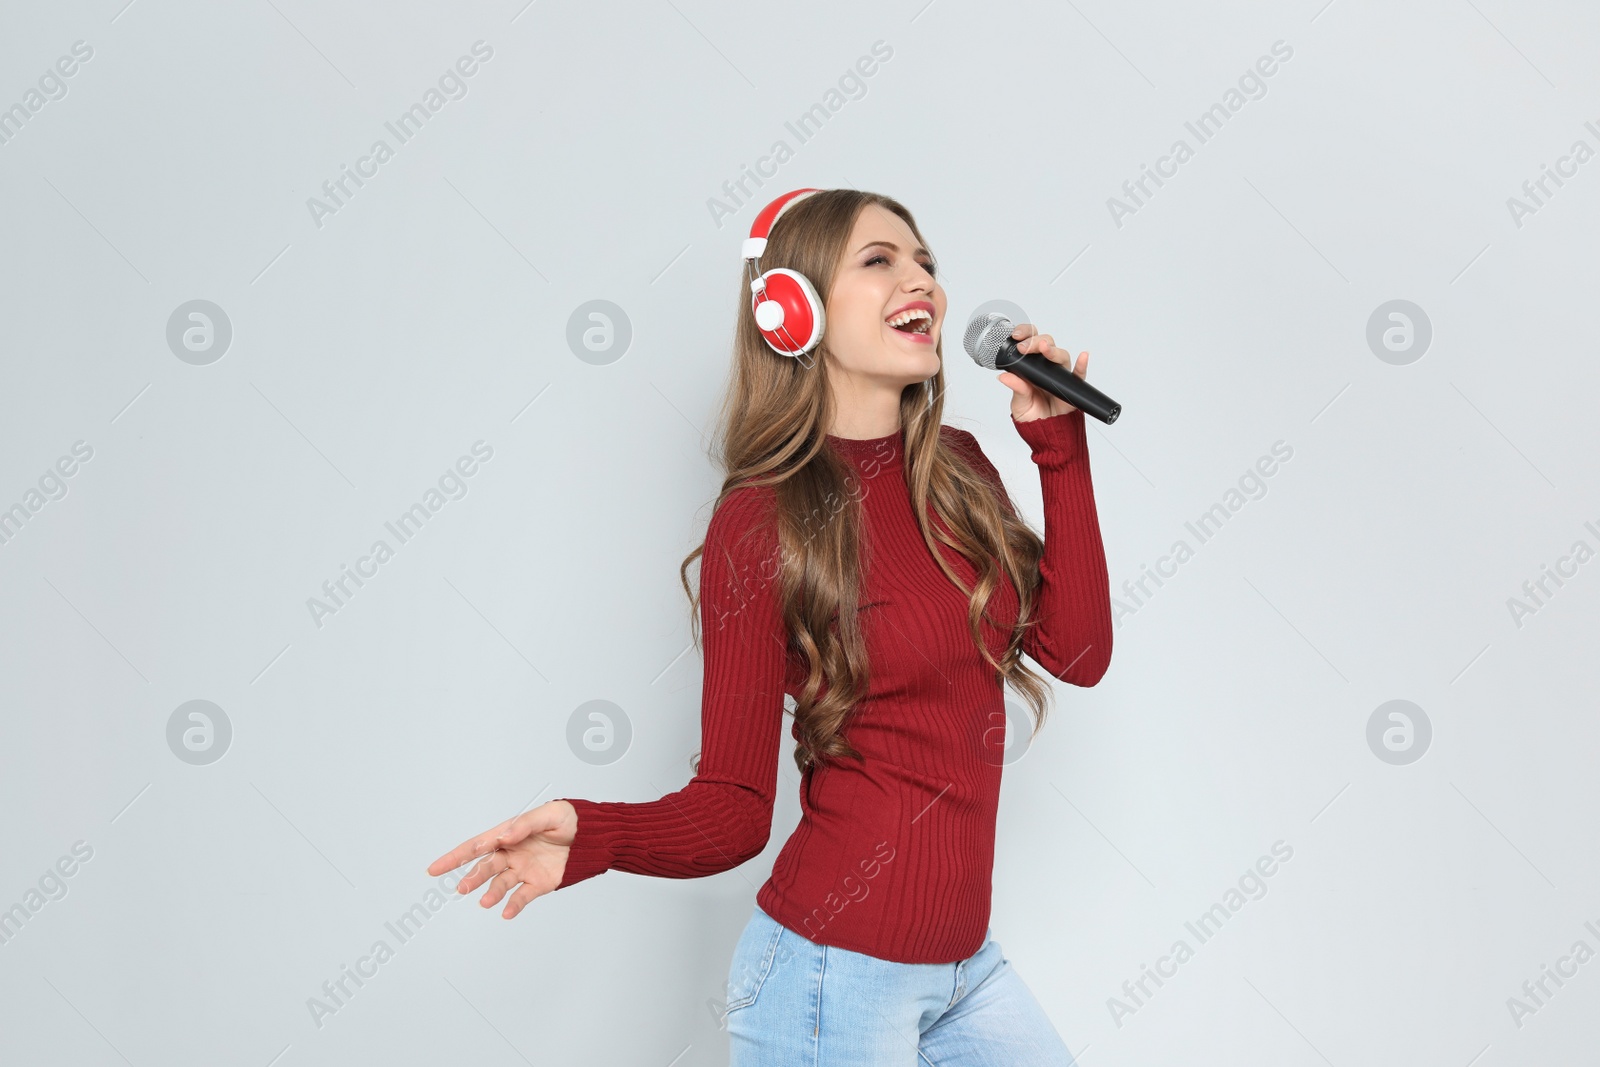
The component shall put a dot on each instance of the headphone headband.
(756, 243)
(788, 311)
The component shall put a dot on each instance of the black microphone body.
(990, 344)
(1057, 380)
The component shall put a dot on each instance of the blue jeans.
(793, 1002)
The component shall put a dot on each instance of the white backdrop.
(230, 369)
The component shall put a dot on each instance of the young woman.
(866, 560)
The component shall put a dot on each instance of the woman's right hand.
(530, 848)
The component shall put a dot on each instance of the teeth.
(915, 313)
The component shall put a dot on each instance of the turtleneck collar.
(888, 444)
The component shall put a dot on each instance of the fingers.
(477, 846)
(1030, 340)
(1018, 385)
(517, 828)
(1044, 346)
(519, 900)
(503, 882)
(490, 865)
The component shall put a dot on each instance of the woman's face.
(885, 273)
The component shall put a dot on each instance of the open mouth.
(915, 321)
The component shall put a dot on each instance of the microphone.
(988, 341)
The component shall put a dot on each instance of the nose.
(918, 280)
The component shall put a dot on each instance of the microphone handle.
(1058, 381)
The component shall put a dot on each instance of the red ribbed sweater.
(893, 854)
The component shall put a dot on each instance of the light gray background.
(1228, 313)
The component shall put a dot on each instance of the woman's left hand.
(1027, 401)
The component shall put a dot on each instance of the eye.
(930, 266)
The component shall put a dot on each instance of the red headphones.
(787, 309)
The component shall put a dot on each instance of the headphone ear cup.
(790, 314)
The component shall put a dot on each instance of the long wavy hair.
(771, 430)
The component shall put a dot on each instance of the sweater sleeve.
(1072, 639)
(723, 816)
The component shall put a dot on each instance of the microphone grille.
(984, 337)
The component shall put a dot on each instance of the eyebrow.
(890, 245)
